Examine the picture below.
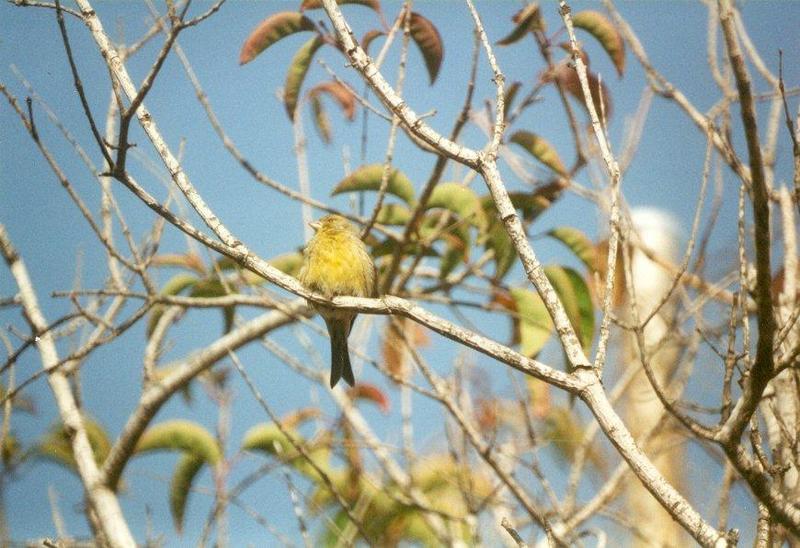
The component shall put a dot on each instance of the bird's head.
(333, 222)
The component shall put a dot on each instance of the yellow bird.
(336, 263)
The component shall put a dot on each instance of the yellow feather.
(336, 263)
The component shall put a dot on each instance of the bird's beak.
(315, 225)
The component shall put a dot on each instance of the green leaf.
(332, 533)
(181, 485)
(535, 325)
(288, 263)
(577, 242)
(174, 286)
(452, 257)
(298, 68)
(225, 264)
(598, 25)
(210, 287)
(586, 320)
(11, 451)
(460, 200)
(456, 238)
(180, 435)
(393, 214)
(574, 295)
(228, 317)
(186, 389)
(268, 438)
(540, 149)
(369, 178)
(178, 283)
(19, 402)
(564, 430)
(272, 29)
(531, 204)
(213, 287)
(56, 445)
(527, 19)
(429, 41)
(504, 253)
(387, 247)
(510, 95)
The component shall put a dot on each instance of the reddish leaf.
(540, 397)
(298, 69)
(779, 283)
(429, 41)
(527, 19)
(503, 298)
(316, 4)
(487, 414)
(582, 52)
(600, 266)
(393, 350)
(190, 261)
(272, 29)
(567, 78)
(370, 392)
(340, 93)
(369, 37)
(293, 420)
(598, 25)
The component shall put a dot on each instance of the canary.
(336, 262)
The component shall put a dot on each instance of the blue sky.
(51, 235)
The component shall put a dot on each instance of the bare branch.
(102, 499)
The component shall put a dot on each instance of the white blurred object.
(659, 232)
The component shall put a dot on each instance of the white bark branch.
(103, 501)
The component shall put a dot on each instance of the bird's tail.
(338, 330)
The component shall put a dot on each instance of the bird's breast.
(338, 266)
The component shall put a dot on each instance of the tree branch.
(103, 501)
